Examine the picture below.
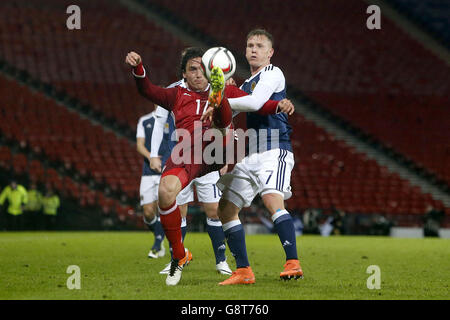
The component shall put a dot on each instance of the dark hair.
(261, 32)
(188, 54)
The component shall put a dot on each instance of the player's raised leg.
(222, 114)
(284, 226)
(217, 83)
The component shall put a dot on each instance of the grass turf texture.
(115, 266)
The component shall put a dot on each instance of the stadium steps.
(385, 155)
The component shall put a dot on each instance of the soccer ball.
(218, 57)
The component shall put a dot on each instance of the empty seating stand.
(89, 64)
(66, 137)
(382, 81)
(330, 174)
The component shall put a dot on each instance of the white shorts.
(259, 173)
(149, 189)
(207, 191)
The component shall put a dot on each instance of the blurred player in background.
(151, 175)
(266, 172)
(188, 105)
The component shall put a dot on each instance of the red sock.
(222, 116)
(171, 221)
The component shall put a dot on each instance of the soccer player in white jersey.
(207, 192)
(265, 172)
(151, 176)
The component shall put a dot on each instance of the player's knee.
(211, 210)
(227, 210)
(273, 202)
(167, 194)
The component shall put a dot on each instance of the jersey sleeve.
(270, 107)
(164, 97)
(267, 107)
(140, 132)
(161, 116)
(273, 79)
(253, 102)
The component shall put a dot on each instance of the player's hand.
(207, 115)
(231, 82)
(223, 170)
(155, 164)
(133, 59)
(286, 106)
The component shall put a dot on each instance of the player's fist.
(155, 164)
(286, 106)
(133, 59)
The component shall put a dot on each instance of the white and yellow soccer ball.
(219, 57)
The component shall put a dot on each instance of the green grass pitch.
(114, 265)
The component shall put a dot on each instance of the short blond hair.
(261, 32)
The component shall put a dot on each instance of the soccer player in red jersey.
(188, 105)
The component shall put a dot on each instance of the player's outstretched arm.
(242, 102)
(264, 106)
(270, 106)
(165, 97)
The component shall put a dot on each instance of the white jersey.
(268, 83)
(268, 170)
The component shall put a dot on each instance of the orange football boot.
(292, 270)
(240, 276)
(186, 259)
